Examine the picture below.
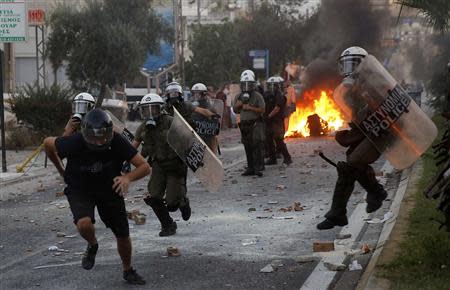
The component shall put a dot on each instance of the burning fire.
(324, 106)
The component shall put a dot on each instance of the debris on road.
(53, 248)
(365, 249)
(354, 266)
(387, 216)
(248, 242)
(251, 209)
(140, 219)
(70, 236)
(281, 187)
(283, 217)
(305, 259)
(334, 267)
(343, 236)
(277, 264)
(132, 214)
(272, 202)
(267, 269)
(60, 234)
(323, 246)
(173, 251)
(59, 193)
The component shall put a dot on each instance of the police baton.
(326, 159)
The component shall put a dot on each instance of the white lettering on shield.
(388, 112)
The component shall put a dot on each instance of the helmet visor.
(81, 107)
(98, 136)
(197, 96)
(347, 65)
(150, 111)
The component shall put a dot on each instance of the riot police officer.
(174, 99)
(207, 128)
(251, 106)
(360, 154)
(274, 121)
(81, 105)
(167, 185)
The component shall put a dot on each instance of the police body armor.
(385, 113)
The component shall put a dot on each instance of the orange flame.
(311, 104)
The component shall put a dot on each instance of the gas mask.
(151, 114)
(245, 98)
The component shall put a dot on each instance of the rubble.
(343, 236)
(281, 187)
(334, 267)
(132, 214)
(305, 259)
(323, 246)
(139, 219)
(267, 269)
(60, 234)
(173, 251)
(354, 266)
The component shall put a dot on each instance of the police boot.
(168, 226)
(185, 210)
(337, 215)
(375, 191)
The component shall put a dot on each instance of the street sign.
(257, 53)
(259, 63)
(13, 21)
(36, 17)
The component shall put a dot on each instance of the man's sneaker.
(329, 224)
(132, 277)
(88, 260)
(168, 230)
(186, 211)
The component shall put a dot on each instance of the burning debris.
(316, 115)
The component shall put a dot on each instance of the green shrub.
(21, 138)
(45, 109)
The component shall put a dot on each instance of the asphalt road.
(230, 237)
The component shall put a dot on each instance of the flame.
(311, 104)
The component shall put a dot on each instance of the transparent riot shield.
(120, 128)
(385, 113)
(195, 153)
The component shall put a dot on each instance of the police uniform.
(167, 185)
(252, 131)
(274, 126)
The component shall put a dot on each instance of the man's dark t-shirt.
(92, 171)
(272, 100)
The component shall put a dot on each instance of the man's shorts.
(110, 207)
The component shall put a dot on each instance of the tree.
(106, 42)
(436, 12)
(216, 55)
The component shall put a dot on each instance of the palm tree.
(436, 12)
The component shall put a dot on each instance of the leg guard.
(168, 226)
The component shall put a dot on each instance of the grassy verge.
(424, 258)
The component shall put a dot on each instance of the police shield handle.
(195, 153)
(385, 113)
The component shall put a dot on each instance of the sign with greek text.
(195, 155)
(388, 112)
(13, 21)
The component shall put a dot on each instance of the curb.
(407, 186)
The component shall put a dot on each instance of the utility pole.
(2, 114)
(198, 11)
(179, 37)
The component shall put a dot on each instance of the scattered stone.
(234, 181)
(262, 217)
(297, 206)
(343, 236)
(59, 193)
(60, 234)
(53, 248)
(281, 187)
(132, 214)
(283, 217)
(272, 202)
(139, 219)
(305, 259)
(251, 209)
(267, 269)
(248, 242)
(276, 264)
(71, 236)
(334, 267)
(323, 246)
(61, 206)
(173, 252)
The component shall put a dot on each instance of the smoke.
(336, 26)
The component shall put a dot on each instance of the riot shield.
(217, 106)
(120, 128)
(385, 113)
(195, 153)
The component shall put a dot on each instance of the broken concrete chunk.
(173, 251)
(267, 269)
(276, 264)
(305, 259)
(323, 246)
(334, 267)
(139, 219)
(132, 214)
(60, 234)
